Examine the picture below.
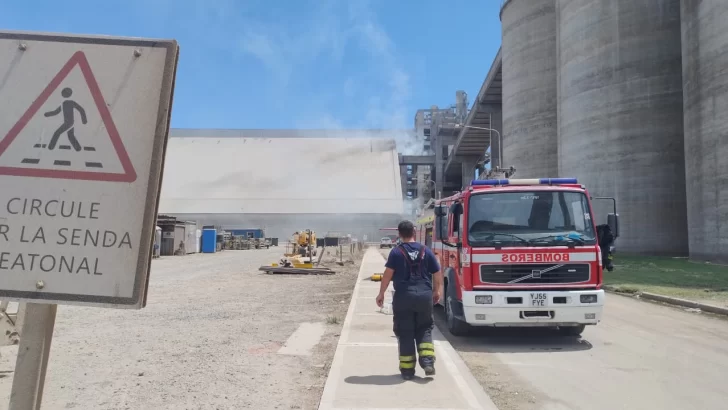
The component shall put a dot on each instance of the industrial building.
(455, 142)
(628, 97)
(705, 115)
(272, 180)
(620, 115)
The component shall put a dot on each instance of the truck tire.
(572, 330)
(453, 306)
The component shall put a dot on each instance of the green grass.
(677, 277)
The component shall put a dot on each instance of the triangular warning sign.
(67, 139)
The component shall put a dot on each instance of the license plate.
(539, 300)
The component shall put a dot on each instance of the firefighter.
(415, 273)
(606, 241)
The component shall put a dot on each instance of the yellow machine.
(304, 249)
(305, 238)
(304, 243)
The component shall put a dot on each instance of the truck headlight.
(588, 298)
(484, 299)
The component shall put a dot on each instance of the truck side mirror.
(613, 222)
(440, 211)
(456, 208)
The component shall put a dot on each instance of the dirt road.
(642, 356)
(208, 339)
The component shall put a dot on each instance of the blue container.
(209, 240)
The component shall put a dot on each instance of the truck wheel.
(455, 326)
(572, 330)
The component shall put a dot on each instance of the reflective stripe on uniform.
(406, 362)
(426, 349)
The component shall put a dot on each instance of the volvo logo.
(536, 274)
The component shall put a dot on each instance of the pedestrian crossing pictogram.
(68, 132)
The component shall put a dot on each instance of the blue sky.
(296, 63)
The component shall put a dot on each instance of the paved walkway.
(365, 374)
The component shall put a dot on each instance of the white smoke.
(408, 143)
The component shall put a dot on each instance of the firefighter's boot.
(427, 357)
(407, 367)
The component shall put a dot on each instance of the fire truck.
(519, 252)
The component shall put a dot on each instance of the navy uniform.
(413, 265)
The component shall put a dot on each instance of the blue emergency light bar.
(534, 181)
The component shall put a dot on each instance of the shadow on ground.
(385, 380)
(511, 340)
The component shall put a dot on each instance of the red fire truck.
(518, 252)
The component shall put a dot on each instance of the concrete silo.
(705, 88)
(620, 115)
(529, 87)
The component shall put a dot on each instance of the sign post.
(82, 142)
(32, 361)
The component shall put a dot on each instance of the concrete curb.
(672, 301)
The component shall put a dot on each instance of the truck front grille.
(543, 273)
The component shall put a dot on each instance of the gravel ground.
(208, 339)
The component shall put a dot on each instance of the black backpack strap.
(421, 263)
(407, 262)
(401, 250)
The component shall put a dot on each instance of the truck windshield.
(540, 218)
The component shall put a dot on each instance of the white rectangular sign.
(535, 257)
(83, 130)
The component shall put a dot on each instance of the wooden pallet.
(296, 271)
